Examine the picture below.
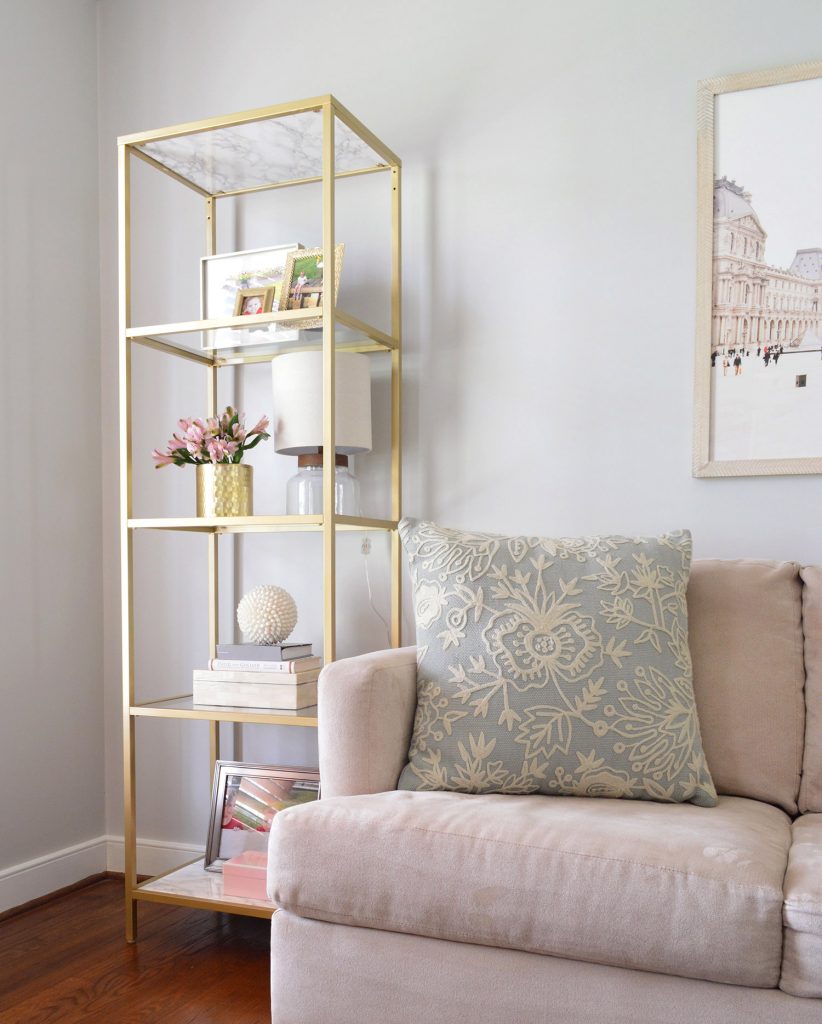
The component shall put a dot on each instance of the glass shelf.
(192, 886)
(259, 524)
(184, 707)
(234, 340)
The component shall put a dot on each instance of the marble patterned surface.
(197, 883)
(261, 153)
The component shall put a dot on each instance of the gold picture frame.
(247, 296)
(308, 294)
(744, 303)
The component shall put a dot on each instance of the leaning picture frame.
(758, 351)
(304, 282)
(245, 799)
(224, 275)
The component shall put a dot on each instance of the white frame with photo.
(215, 853)
(704, 465)
(217, 301)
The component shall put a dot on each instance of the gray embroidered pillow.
(553, 666)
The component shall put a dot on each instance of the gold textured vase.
(224, 489)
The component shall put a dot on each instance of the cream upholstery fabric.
(366, 713)
(802, 957)
(330, 974)
(745, 635)
(672, 888)
(810, 794)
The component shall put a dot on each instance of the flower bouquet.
(216, 447)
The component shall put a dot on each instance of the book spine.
(289, 679)
(255, 695)
(257, 652)
(237, 665)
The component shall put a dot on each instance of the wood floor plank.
(68, 961)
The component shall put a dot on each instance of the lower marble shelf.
(193, 886)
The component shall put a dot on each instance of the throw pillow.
(553, 666)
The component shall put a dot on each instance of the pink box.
(244, 875)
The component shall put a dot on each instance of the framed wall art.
(245, 800)
(758, 369)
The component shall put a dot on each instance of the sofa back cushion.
(810, 791)
(745, 634)
(558, 666)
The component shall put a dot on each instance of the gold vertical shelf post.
(396, 402)
(336, 121)
(126, 541)
(213, 539)
(329, 394)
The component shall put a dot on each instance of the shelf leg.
(329, 395)
(396, 404)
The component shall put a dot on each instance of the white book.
(268, 696)
(263, 678)
(297, 665)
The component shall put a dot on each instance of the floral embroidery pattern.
(554, 666)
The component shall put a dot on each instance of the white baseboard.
(153, 856)
(28, 881)
(22, 883)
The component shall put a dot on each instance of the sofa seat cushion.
(673, 888)
(802, 958)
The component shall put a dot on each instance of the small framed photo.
(245, 800)
(304, 282)
(223, 276)
(251, 301)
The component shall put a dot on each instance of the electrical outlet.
(365, 547)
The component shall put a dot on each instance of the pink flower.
(260, 428)
(175, 443)
(161, 459)
(184, 425)
(213, 425)
(238, 432)
(217, 449)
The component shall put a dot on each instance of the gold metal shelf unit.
(211, 158)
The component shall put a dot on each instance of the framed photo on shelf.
(758, 360)
(245, 800)
(304, 281)
(251, 301)
(223, 276)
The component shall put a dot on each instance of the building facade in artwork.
(755, 304)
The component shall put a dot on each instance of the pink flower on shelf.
(217, 449)
(161, 459)
(213, 440)
(260, 427)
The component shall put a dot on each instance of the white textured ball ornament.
(267, 615)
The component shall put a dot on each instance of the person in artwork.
(737, 365)
(714, 354)
(767, 357)
(725, 365)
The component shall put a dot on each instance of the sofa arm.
(366, 714)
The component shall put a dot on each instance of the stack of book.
(280, 676)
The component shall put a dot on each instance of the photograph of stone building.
(756, 303)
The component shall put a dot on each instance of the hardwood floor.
(67, 961)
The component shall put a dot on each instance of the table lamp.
(298, 426)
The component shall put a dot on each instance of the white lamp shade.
(298, 403)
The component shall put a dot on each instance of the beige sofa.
(402, 907)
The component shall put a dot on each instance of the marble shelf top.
(260, 153)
